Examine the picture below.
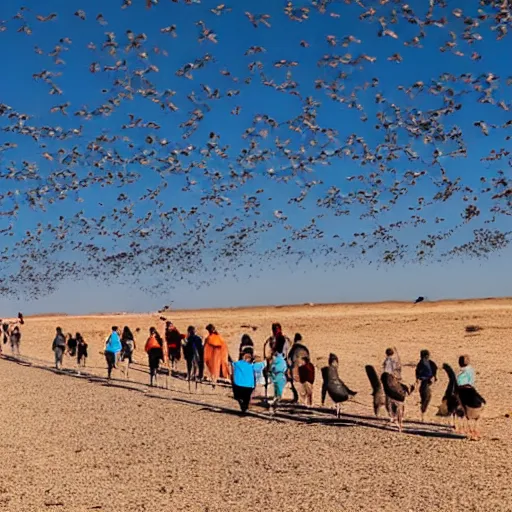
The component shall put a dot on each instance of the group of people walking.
(283, 362)
(74, 346)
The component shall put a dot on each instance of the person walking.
(216, 355)
(59, 347)
(15, 340)
(71, 343)
(81, 350)
(295, 356)
(155, 353)
(243, 379)
(112, 350)
(193, 353)
(128, 346)
(278, 370)
(173, 337)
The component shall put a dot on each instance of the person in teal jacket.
(113, 350)
(278, 370)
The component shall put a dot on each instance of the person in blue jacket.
(113, 349)
(243, 379)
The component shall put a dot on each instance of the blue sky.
(288, 283)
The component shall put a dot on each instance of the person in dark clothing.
(246, 346)
(81, 350)
(59, 347)
(72, 344)
(193, 353)
(128, 344)
(295, 356)
(127, 348)
(173, 338)
(5, 329)
(426, 375)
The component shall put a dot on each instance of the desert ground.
(72, 444)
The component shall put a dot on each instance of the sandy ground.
(69, 444)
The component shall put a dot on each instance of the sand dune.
(74, 445)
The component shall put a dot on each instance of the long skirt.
(216, 362)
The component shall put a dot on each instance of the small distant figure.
(21, 320)
(307, 379)
(71, 345)
(216, 355)
(112, 350)
(59, 347)
(5, 329)
(128, 346)
(419, 299)
(466, 375)
(173, 337)
(426, 375)
(243, 379)
(15, 339)
(81, 350)
(332, 384)
(246, 346)
(193, 353)
(295, 355)
(155, 354)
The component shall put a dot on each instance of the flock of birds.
(242, 160)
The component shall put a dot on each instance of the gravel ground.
(73, 445)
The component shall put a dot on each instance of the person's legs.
(309, 394)
(246, 398)
(189, 368)
(110, 358)
(237, 394)
(59, 356)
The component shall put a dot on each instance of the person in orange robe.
(216, 356)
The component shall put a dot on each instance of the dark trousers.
(242, 396)
(110, 357)
(154, 356)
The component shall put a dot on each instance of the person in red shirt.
(173, 337)
(307, 379)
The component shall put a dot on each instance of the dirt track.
(72, 445)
